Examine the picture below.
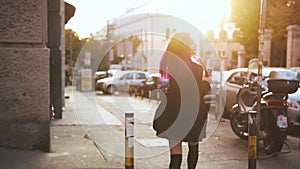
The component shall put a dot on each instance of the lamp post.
(263, 8)
(262, 27)
(254, 116)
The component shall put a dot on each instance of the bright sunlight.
(92, 15)
(203, 14)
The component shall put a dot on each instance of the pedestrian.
(68, 74)
(182, 112)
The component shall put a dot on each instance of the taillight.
(280, 104)
(276, 103)
(280, 113)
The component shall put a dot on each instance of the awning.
(69, 12)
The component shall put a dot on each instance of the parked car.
(120, 81)
(215, 97)
(216, 82)
(296, 69)
(149, 87)
(103, 74)
(233, 82)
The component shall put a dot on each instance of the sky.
(92, 15)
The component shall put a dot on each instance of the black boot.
(175, 161)
(193, 155)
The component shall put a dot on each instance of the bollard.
(150, 95)
(252, 140)
(129, 140)
(142, 93)
(158, 95)
(135, 92)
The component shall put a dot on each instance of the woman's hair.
(180, 45)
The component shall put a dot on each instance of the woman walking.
(182, 113)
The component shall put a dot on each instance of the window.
(237, 78)
(140, 76)
(130, 76)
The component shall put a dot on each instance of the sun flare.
(204, 14)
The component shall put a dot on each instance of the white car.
(120, 81)
(104, 74)
(233, 82)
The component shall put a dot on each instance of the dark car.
(150, 87)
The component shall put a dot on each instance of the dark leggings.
(192, 158)
(175, 161)
(193, 155)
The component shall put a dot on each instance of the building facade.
(24, 67)
(25, 54)
(293, 46)
(153, 31)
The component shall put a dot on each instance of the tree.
(246, 15)
(73, 45)
(280, 14)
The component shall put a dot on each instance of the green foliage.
(246, 15)
(73, 45)
(280, 14)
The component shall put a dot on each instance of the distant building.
(293, 46)
(230, 51)
(153, 31)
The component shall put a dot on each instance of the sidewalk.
(70, 148)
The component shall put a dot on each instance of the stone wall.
(267, 46)
(293, 46)
(24, 74)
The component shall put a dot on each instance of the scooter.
(273, 125)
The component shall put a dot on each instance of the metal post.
(263, 8)
(252, 140)
(57, 57)
(254, 116)
(129, 140)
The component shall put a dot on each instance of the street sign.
(86, 80)
(87, 58)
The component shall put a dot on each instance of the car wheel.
(239, 124)
(111, 89)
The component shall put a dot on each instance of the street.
(102, 117)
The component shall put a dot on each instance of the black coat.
(182, 112)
